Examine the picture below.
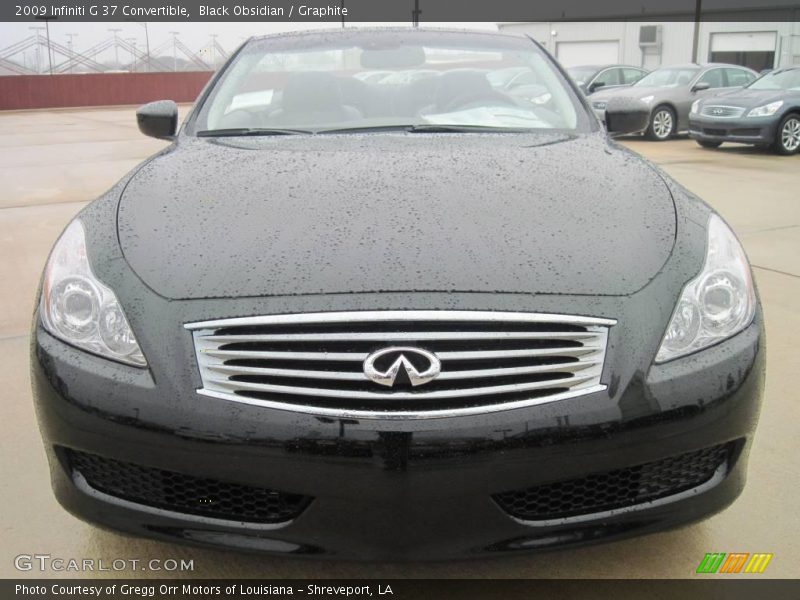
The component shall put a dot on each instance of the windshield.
(581, 75)
(312, 84)
(778, 80)
(667, 78)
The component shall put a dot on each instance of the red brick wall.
(98, 89)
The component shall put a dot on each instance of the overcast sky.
(194, 35)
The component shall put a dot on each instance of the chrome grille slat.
(368, 316)
(400, 336)
(722, 111)
(564, 382)
(361, 356)
(359, 376)
(532, 352)
(312, 362)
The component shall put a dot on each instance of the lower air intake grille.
(184, 493)
(318, 362)
(615, 489)
(751, 132)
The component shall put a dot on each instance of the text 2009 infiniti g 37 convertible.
(405, 316)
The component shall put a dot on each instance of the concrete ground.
(52, 162)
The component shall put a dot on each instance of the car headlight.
(647, 99)
(718, 303)
(695, 107)
(79, 309)
(767, 110)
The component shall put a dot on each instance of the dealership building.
(755, 44)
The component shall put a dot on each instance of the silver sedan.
(670, 92)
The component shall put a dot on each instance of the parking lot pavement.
(53, 162)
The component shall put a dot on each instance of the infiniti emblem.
(420, 366)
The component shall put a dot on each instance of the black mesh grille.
(184, 493)
(615, 489)
(747, 132)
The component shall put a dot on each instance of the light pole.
(47, 20)
(71, 51)
(214, 50)
(698, 12)
(147, 46)
(38, 51)
(174, 50)
(116, 47)
(132, 42)
(49, 50)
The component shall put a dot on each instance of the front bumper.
(742, 130)
(408, 490)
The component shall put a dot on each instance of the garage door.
(574, 54)
(755, 49)
(759, 41)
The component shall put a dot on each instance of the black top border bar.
(399, 11)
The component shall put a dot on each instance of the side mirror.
(700, 86)
(158, 119)
(596, 86)
(626, 115)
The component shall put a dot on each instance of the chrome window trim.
(642, 73)
(706, 72)
(597, 76)
(592, 360)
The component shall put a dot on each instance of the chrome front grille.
(722, 112)
(314, 363)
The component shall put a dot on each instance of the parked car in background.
(670, 92)
(591, 78)
(765, 113)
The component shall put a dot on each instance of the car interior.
(310, 98)
(357, 87)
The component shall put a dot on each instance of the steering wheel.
(478, 99)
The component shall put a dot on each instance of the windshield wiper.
(427, 128)
(366, 129)
(253, 131)
(436, 128)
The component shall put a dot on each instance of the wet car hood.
(240, 217)
(748, 98)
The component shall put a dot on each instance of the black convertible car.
(405, 320)
(766, 113)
